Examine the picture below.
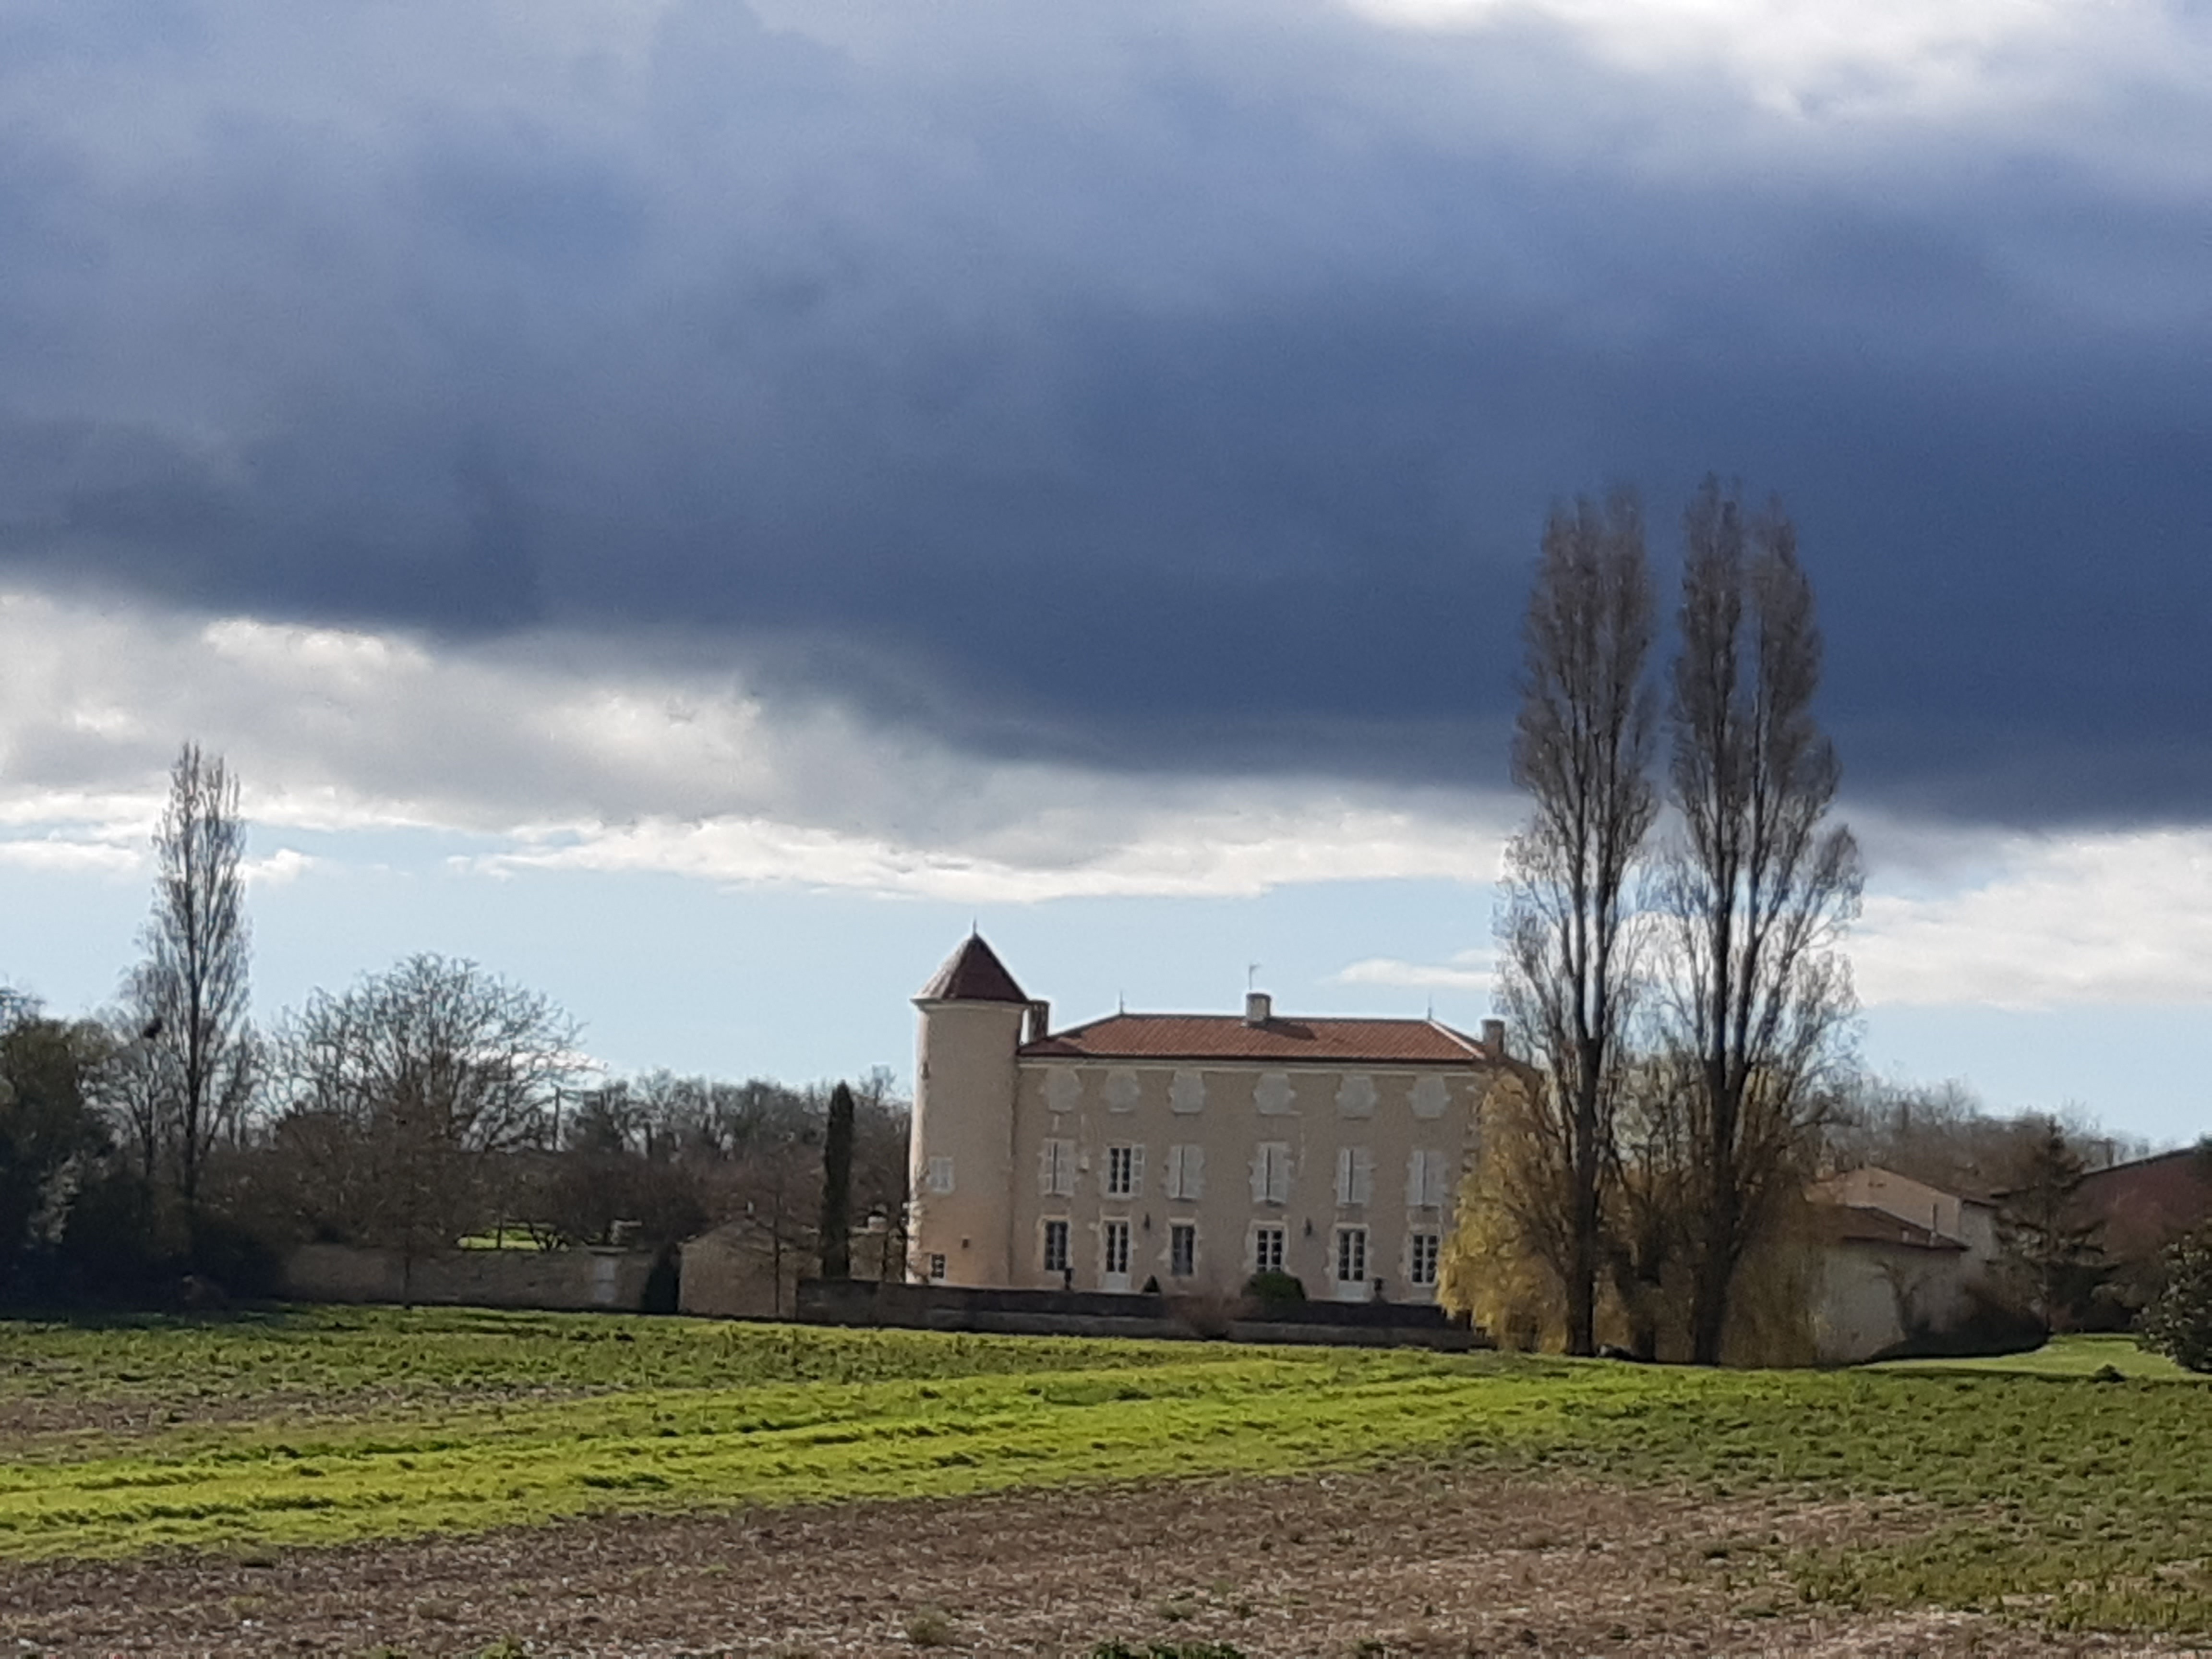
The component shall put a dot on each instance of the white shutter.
(1363, 1175)
(1136, 1172)
(1344, 1175)
(1428, 1180)
(1194, 1173)
(1048, 1168)
(1058, 1168)
(1270, 1173)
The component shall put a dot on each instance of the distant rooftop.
(1227, 1036)
(1856, 1224)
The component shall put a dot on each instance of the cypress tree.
(838, 1187)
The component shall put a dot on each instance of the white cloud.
(59, 854)
(568, 758)
(1957, 917)
(1906, 56)
(2107, 918)
(562, 756)
(1466, 970)
(285, 865)
(1167, 840)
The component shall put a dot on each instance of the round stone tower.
(960, 1152)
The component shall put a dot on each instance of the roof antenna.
(1432, 1007)
(1120, 1002)
(1251, 973)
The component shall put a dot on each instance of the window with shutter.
(1056, 1168)
(1436, 1181)
(1355, 1175)
(1428, 1180)
(1186, 1172)
(940, 1175)
(1270, 1173)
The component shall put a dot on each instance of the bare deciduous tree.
(405, 1090)
(1582, 750)
(197, 1063)
(1756, 893)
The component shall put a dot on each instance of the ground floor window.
(937, 1267)
(1351, 1254)
(1117, 1246)
(1183, 1249)
(1421, 1261)
(1055, 1247)
(1267, 1249)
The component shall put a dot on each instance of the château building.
(1186, 1151)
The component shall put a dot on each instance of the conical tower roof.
(972, 974)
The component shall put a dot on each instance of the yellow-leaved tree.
(1490, 1272)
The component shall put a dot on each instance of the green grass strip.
(2046, 1493)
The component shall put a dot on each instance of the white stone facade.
(1099, 1159)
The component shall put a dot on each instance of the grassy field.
(2034, 1487)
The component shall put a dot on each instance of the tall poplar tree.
(1757, 892)
(1582, 751)
(189, 994)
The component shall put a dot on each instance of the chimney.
(1040, 1021)
(1493, 1038)
(1259, 1007)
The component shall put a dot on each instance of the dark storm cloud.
(1159, 385)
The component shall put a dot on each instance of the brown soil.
(1401, 1562)
(56, 1427)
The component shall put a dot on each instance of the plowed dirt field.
(1430, 1561)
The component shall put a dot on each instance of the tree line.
(170, 1144)
(1670, 940)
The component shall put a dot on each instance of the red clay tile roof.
(1854, 1224)
(972, 974)
(1226, 1037)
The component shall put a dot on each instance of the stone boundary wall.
(555, 1280)
(1097, 1313)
